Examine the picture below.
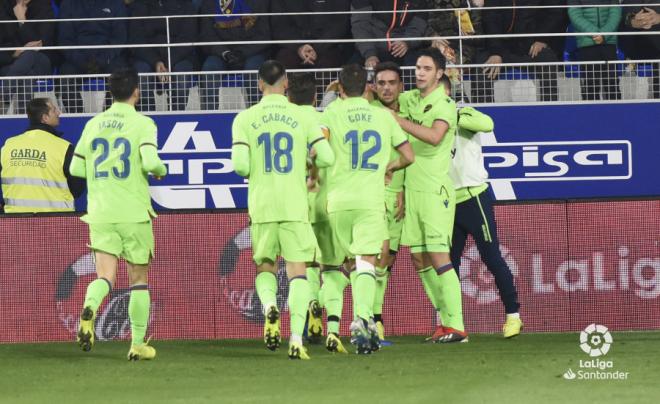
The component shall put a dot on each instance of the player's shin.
(96, 292)
(314, 279)
(451, 296)
(433, 290)
(298, 302)
(364, 289)
(266, 286)
(334, 283)
(139, 304)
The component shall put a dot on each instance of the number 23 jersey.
(117, 185)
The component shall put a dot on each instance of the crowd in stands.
(481, 17)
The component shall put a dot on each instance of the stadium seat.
(231, 93)
(93, 95)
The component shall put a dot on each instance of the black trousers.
(475, 216)
(594, 78)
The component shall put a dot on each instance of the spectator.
(30, 35)
(321, 26)
(520, 20)
(599, 47)
(225, 26)
(642, 19)
(397, 25)
(155, 59)
(446, 23)
(76, 33)
(35, 165)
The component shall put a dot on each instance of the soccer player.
(388, 86)
(362, 137)
(270, 143)
(474, 209)
(302, 92)
(116, 153)
(429, 192)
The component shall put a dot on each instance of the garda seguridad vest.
(33, 177)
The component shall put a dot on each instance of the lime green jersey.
(116, 151)
(318, 199)
(362, 137)
(430, 171)
(278, 134)
(396, 185)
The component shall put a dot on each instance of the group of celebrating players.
(332, 193)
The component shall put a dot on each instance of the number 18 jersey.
(277, 133)
(362, 137)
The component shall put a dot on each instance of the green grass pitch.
(488, 369)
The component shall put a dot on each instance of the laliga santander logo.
(595, 340)
(476, 281)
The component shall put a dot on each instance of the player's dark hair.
(123, 83)
(302, 88)
(387, 66)
(36, 109)
(353, 79)
(445, 81)
(435, 54)
(271, 71)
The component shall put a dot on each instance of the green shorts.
(132, 241)
(394, 227)
(429, 221)
(325, 253)
(294, 241)
(357, 232)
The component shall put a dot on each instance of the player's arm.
(406, 157)
(318, 141)
(432, 135)
(77, 167)
(402, 146)
(240, 150)
(151, 163)
(325, 157)
(474, 121)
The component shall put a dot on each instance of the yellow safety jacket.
(32, 174)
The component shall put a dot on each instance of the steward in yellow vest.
(34, 166)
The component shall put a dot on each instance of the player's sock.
(298, 303)
(334, 283)
(382, 276)
(432, 288)
(450, 287)
(96, 292)
(266, 285)
(138, 312)
(353, 276)
(314, 280)
(364, 289)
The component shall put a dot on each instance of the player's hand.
(371, 62)
(536, 48)
(400, 206)
(399, 49)
(492, 71)
(388, 177)
(161, 68)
